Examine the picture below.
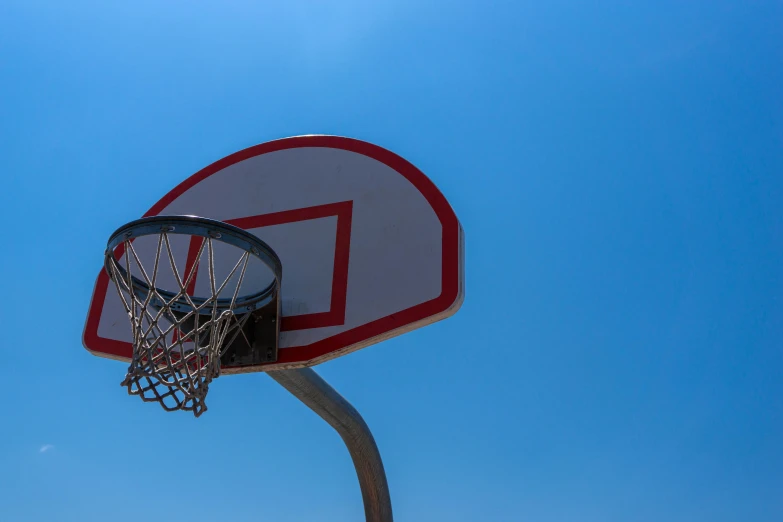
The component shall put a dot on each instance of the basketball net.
(176, 352)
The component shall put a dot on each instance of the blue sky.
(616, 167)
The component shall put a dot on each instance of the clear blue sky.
(618, 170)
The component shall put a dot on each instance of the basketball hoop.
(179, 338)
(372, 250)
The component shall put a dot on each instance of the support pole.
(311, 389)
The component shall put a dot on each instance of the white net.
(177, 339)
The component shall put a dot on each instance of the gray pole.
(311, 389)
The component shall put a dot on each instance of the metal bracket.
(262, 331)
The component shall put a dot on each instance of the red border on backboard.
(335, 345)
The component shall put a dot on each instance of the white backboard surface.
(370, 247)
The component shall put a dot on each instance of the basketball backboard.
(369, 246)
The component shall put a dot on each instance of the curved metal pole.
(311, 389)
